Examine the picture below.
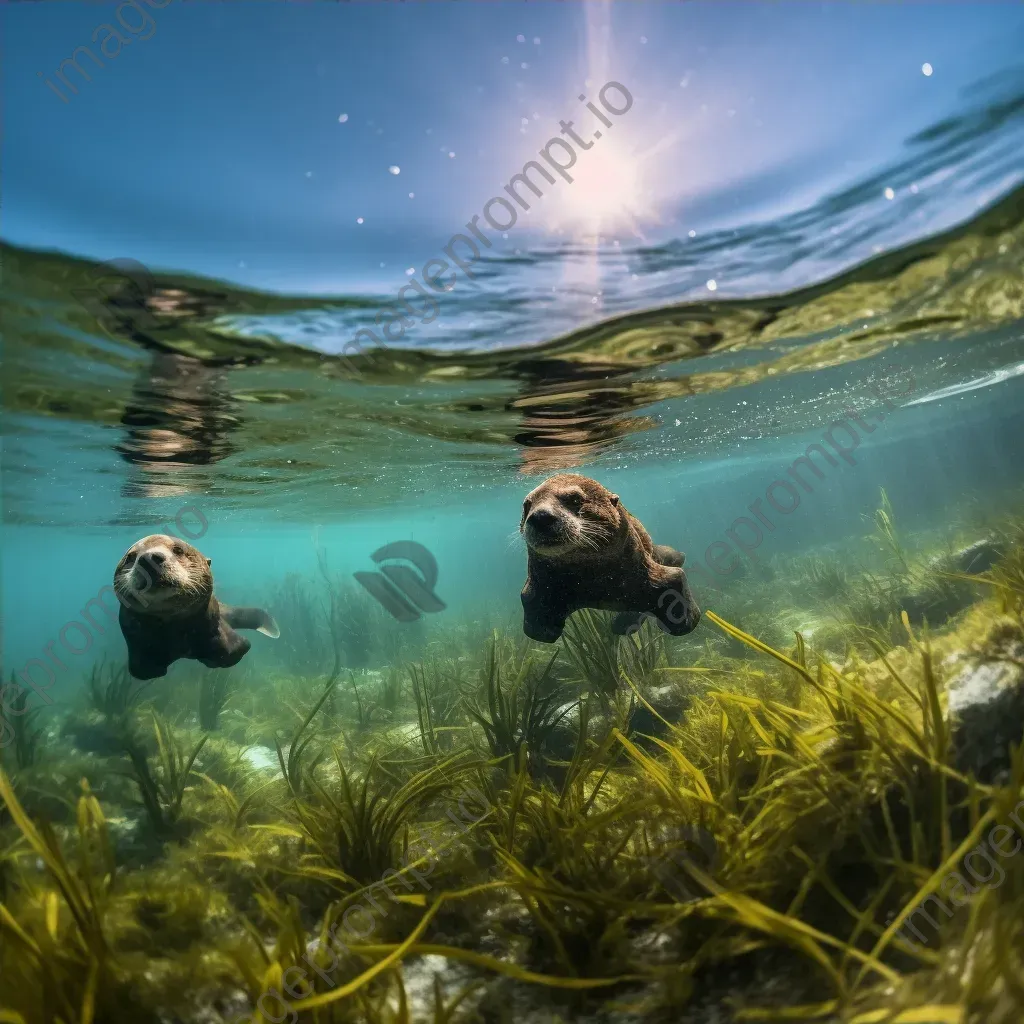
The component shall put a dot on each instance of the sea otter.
(169, 611)
(587, 551)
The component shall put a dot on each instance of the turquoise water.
(860, 352)
(283, 451)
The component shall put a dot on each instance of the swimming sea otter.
(168, 609)
(587, 551)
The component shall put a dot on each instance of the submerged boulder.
(978, 557)
(987, 700)
(670, 703)
(987, 731)
(936, 598)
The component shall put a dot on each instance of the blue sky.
(215, 144)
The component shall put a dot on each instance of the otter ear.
(209, 561)
(615, 499)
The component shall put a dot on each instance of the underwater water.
(403, 810)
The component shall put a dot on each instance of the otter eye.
(178, 549)
(526, 505)
(574, 500)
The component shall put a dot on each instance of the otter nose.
(157, 557)
(541, 519)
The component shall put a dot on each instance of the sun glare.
(606, 195)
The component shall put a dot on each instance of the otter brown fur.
(169, 611)
(587, 551)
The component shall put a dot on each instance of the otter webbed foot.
(250, 618)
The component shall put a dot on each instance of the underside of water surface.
(401, 809)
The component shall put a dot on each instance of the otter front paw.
(144, 669)
(229, 651)
(677, 610)
(542, 624)
(544, 631)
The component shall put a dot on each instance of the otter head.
(161, 575)
(568, 515)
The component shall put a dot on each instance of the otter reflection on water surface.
(570, 411)
(179, 414)
(178, 417)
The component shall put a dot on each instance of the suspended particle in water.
(692, 233)
(342, 118)
(889, 194)
(926, 69)
(412, 195)
(520, 39)
(394, 169)
(712, 285)
(359, 220)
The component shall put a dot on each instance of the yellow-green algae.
(155, 872)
